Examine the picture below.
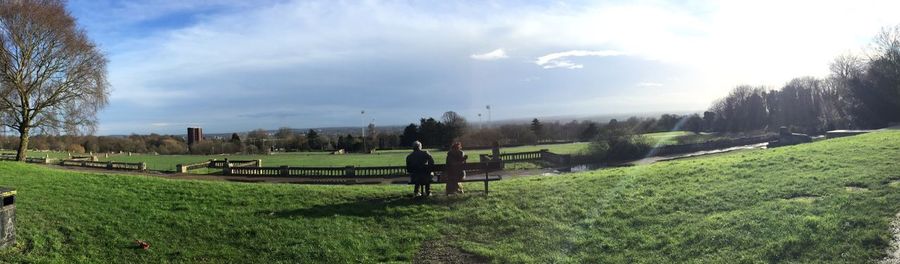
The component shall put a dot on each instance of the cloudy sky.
(239, 65)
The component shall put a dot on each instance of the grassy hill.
(829, 201)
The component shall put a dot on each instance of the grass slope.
(728, 208)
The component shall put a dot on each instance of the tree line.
(861, 92)
(432, 132)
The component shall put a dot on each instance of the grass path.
(826, 202)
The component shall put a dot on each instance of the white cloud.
(649, 84)
(493, 55)
(559, 59)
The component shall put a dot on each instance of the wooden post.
(350, 171)
(226, 168)
(285, 171)
(486, 168)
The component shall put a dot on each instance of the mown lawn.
(664, 138)
(682, 137)
(324, 159)
(789, 204)
(50, 154)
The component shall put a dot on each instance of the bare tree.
(887, 44)
(454, 124)
(52, 77)
(847, 66)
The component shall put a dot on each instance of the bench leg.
(485, 183)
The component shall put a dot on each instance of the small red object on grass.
(142, 245)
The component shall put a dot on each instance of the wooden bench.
(476, 172)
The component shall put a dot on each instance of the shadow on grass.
(398, 206)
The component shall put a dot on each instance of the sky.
(232, 66)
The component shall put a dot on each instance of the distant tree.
(235, 138)
(847, 72)
(92, 144)
(284, 138)
(589, 133)
(667, 122)
(348, 143)
(52, 76)
(693, 123)
(260, 140)
(537, 128)
(431, 132)
(613, 124)
(312, 137)
(481, 137)
(300, 143)
(371, 137)
(800, 104)
(75, 148)
(388, 141)
(454, 125)
(709, 118)
(253, 149)
(518, 134)
(284, 132)
(340, 143)
(877, 88)
(172, 146)
(743, 109)
(410, 135)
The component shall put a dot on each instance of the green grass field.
(381, 158)
(316, 159)
(790, 204)
(665, 138)
(324, 159)
(50, 154)
(679, 137)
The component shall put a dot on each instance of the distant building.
(194, 135)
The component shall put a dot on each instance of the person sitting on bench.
(418, 165)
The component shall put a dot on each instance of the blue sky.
(239, 65)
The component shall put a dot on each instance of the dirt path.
(894, 250)
(440, 251)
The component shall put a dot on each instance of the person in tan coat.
(454, 170)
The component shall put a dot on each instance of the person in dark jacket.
(495, 151)
(419, 164)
